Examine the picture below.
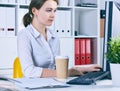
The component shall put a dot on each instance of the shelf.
(84, 36)
(85, 8)
(65, 7)
(8, 4)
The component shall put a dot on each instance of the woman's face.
(45, 15)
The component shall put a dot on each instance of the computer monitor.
(112, 26)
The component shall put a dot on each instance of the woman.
(38, 45)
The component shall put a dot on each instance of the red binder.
(88, 51)
(82, 51)
(77, 52)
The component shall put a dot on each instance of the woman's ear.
(34, 11)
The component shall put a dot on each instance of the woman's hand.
(80, 70)
(89, 68)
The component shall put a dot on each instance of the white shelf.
(85, 36)
(67, 7)
(1, 3)
(85, 8)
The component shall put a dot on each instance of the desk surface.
(78, 88)
(103, 85)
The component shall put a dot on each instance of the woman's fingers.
(94, 67)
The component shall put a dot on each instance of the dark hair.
(27, 19)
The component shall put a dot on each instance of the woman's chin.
(49, 24)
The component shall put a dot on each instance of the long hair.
(27, 19)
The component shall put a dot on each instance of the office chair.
(17, 69)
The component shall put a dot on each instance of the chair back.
(17, 69)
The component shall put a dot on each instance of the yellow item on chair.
(17, 69)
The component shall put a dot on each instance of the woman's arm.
(73, 71)
(48, 73)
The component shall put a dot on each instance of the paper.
(7, 86)
(34, 83)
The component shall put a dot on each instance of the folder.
(77, 52)
(3, 1)
(88, 51)
(28, 1)
(39, 83)
(63, 2)
(60, 23)
(21, 1)
(10, 21)
(57, 22)
(68, 23)
(11, 1)
(2, 21)
(82, 51)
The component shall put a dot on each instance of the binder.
(88, 55)
(82, 51)
(68, 23)
(10, 21)
(63, 2)
(7, 21)
(60, 23)
(57, 23)
(11, 1)
(3, 1)
(21, 1)
(77, 52)
(63, 23)
(2, 21)
(28, 1)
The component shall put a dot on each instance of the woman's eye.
(49, 10)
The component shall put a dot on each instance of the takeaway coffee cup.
(61, 67)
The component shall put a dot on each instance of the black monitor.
(112, 26)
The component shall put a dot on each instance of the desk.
(103, 85)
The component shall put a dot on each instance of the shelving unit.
(87, 25)
(77, 22)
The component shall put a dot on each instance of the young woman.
(38, 45)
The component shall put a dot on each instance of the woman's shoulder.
(24, 33)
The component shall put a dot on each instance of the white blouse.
(35, 52)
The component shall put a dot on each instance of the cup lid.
(61, 56)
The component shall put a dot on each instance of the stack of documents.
(7, 86)
(37, 83)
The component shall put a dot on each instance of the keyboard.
(90, 78)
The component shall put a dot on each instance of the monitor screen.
(112, 26)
